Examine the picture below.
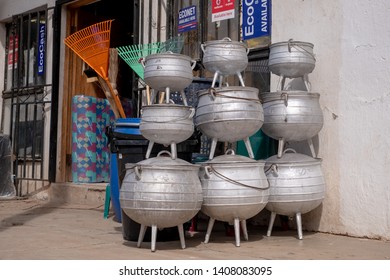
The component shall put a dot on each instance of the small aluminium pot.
(166, 124)
(225, 57)
(161, 192)
(235, 188)
(291, 59)
(168, 71)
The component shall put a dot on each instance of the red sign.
(13, 57)
(222, 9)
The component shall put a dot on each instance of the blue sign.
(187, 19)
(41, 49)
(256, 18)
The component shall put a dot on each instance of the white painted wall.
(352, 45)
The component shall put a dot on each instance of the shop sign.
(222, 9)
(13, 52)
(256, 16)
(187, 19)
(41, 49)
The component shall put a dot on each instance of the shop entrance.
(78, 78)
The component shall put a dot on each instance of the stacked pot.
(235, 187)
(164, 191)
(296, 180)
(167, 123)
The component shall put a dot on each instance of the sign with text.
(13, 52)
(256, 18)
(187, 19)
(41, 49)
(222, 9)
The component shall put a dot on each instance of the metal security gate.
(27, 100)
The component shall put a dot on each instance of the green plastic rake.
(133, 54)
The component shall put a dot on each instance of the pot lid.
(164, 160)
(231, 158)
(229, 89)
(225, 41)
(168, 54)
(292, 42)
(282, 95)
(291, 156)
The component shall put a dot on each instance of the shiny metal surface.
(225, 56)
(167, 123)
(291, 115)
(168, 70)
(161, 192)
(234, 187)
(297, 183)
(291, 59)
(229, 113)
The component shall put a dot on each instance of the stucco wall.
(351, 42)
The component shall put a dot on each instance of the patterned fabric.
(90, 153)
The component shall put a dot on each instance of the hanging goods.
(92, 45)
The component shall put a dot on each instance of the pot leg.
(249, 147)
(209, 228)
(244, 230)
(183, 96)
(149, 150)
(152, 99)
(299, 225)
(280, 147)
(311, 146)
(241, 79)
(283, 81)
(167, 95)
(214, 79)
(305, 79)
(173, 150)
(212, 147)
(181, 236)
(271, 223)
(141, 235)
(237, 231)
(154, 238)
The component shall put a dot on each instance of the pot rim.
(228, 89)
(292, 42)
(225, 42)
(168, 55)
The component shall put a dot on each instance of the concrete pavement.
(42, 229)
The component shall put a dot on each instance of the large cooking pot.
(161, 192)
(235, 188)
(229, 114)
(291, 115)
(166, 124)
(291, 59)
(225, 57)
(168, 71)
(297, 185)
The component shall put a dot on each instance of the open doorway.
(124, 31)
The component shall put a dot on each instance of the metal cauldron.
(291, 116)
(297, 186)
(225, 57)
(229, 114)
(161, 192)
(291, 59)
(166, 124)
(235, 189)
(168, 71)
